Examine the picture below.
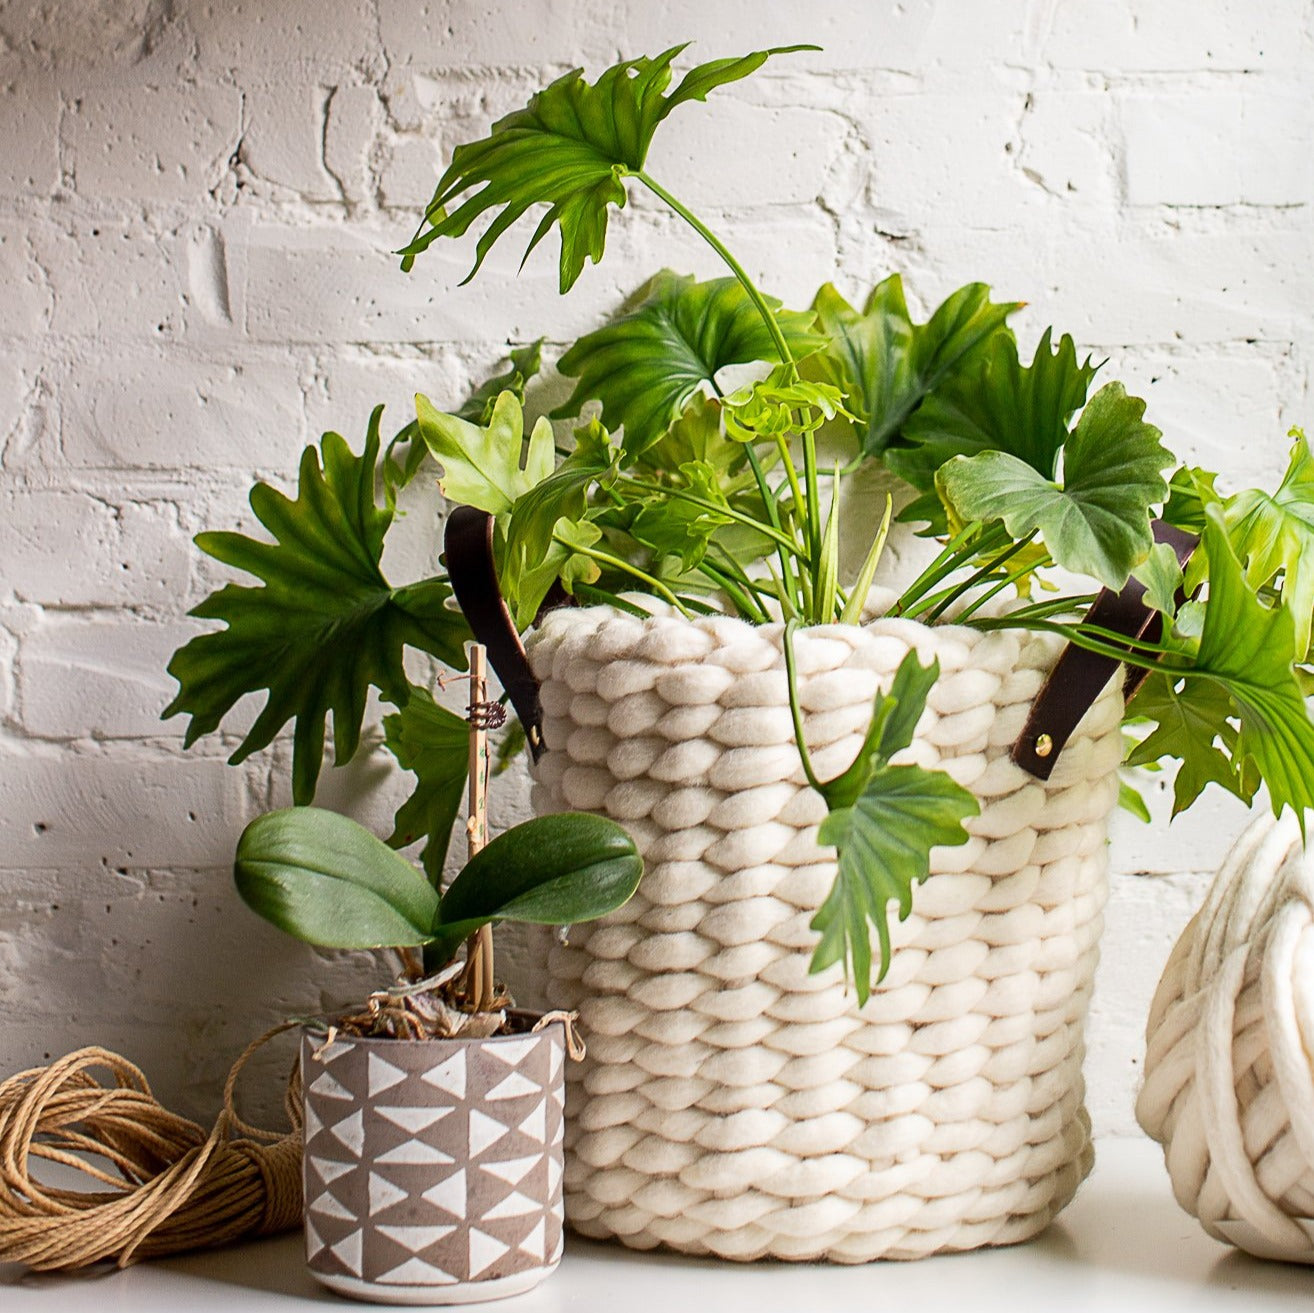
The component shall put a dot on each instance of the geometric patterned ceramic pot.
(432, 1168)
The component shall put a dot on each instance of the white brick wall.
(197, 206)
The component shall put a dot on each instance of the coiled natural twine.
(172, 1187)
(1229, 1067)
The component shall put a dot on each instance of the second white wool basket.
(735, 1105)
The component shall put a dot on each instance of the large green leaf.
(646, 365)
(433, 743)
(326, 880)
(1274, 534)
(554, 870)
(324, 626)
(488, 466)
(886, 365)
(884, 820)
(569, 149)
(673, 526)
(998, 404)
(1098, 522)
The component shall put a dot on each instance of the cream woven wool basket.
(735, 1105)
(1229, 1064)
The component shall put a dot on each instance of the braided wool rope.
(732, 1103)
(1229, 1066)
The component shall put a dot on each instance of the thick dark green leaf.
(645, 366)
(488, 466)
(324, 626)
(569, 149)
(554, 870)
(1098, 522)
(1273, 535)
(326, 880)
(886, 365)
(997, 404)
(884, 843)
(433, 743)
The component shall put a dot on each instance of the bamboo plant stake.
(479, 973)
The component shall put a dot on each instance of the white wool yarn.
(1229, 1066)
(735, 1105)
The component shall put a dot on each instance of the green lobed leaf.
(324, 626)
(883, 844)
(1273, 535)
(482, 465)
(887, 366)
(553, 870)
(569, 149)
(671, 526)
(645, 366)
(432, 743)
(994, 403)
(566, 561)
(328, 881)
(1162, 577)
(781, 406)
(1098, 522)
(696, 434)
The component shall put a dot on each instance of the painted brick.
(250, 34)
(354, 116)
(283, 141)
(1219, 148)
(28, 299)
(152, 143)
(411, 168)
(29, 165)
(156, 412)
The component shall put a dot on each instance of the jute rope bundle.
(1229, 1067)
(172, 1186)
(732, 1103)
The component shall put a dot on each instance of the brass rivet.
(1044, 745)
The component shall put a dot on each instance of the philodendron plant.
(662, 481)
(326, 880)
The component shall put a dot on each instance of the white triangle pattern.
(413, 1119)
(383, 1075)
(556, 1055)
(328, 1088)
(327, 1170)
(383, 1194)
(351, 1131)
(484, 1131)
(313, 1124)
(332, 1052)
(535, 1243)
(449, 1195)
(314, 1241)
(514, 1205)
(416, 1238)
(349, 1251)
(331, 1206)
(413, 1151)
(484, 1251)
(513, 1087)
(535, 1125)
(449, 1075)
(416, 1272)
(554, 1173)
(513, 1170)
(512, 1051)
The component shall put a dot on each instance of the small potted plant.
(777, 1069)
(433, 1115)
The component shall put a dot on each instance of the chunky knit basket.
(735, 1105)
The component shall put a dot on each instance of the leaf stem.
(795, 709)
(681, 494)
(606, 558)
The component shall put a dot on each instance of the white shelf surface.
(1122, 1245)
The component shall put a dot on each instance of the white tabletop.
(1122, 1245)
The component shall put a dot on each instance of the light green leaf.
(563, 561)
(646, 365)
(672, 526)
(1162, 577)
(1098, 522)
(569, 149)
(482, 466)
(884, 843)
(1131, 800)
(328, 881)
(526, 361)
(1274, 535)
(433, 743)
(781, 406)
(554, 870)
(995, 403)
(886, 366)
(695, 435)
(1190, 490)
(325, 625)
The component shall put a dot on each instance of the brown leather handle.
(1079, 676)
(1068, 693)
